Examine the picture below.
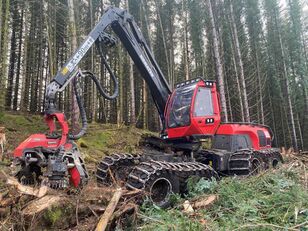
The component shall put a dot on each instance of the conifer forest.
(162, 114)
(255, 50)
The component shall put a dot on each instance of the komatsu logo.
(147, 65)
(79, 54)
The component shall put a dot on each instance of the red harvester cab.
(193, 110)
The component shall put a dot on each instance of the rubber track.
(118, 165)
(146, 171)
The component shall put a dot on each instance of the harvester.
(189, 114)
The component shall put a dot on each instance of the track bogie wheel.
(160, 187)
(275, 163)
(256, 166)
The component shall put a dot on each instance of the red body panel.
(250, 130)
(38, 140)
(41, 140)
(198, 125)
(75, 176)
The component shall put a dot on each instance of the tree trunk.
(10, 82)
(132, 93)
(94, 92)
(186, 48)
(121, 93)
(157, 5)
(300, 133)
(287, 89)
(26, 82)
(240, 63)
(145, 92)
(260, 89)
(72, 24)
(3, 52)
(218, 66)
(16, 90)
(132, 87)
(238, 86)
(273, 120)
(51, 45)
(1, 9)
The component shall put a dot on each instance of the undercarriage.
(159, 178)
(160, 173)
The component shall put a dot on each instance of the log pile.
(31, 208)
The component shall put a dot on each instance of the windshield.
(180, 107)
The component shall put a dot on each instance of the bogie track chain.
(118, 165)
(147, 172)
(248, 162)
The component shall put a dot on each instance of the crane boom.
(124, 26)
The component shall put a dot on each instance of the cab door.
(205, 113)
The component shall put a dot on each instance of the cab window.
(180, 107)
(203, 102)
(241, 142)
(262, 138)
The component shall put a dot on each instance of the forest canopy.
(255, 50)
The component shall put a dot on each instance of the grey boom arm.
(123, 24)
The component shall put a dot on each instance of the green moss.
(52, 216)
(82, 143)
(20, 126)
(58, 216)
(105, 139)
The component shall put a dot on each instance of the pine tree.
(218, 65)
(277, 51)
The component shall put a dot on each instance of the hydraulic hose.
(82, 114)
(100, 90)
(81, 104)
(113, 77)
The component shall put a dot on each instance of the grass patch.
(276, 199)
(272, 201)
(19, 127)
(105, 139)
(155, 218)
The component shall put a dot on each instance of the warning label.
(79, 54)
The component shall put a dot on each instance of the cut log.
(128, 208)
(187, 207)
(205, 202)
(37, 192)
(103, 222)
(41, 204)
(7, 202)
